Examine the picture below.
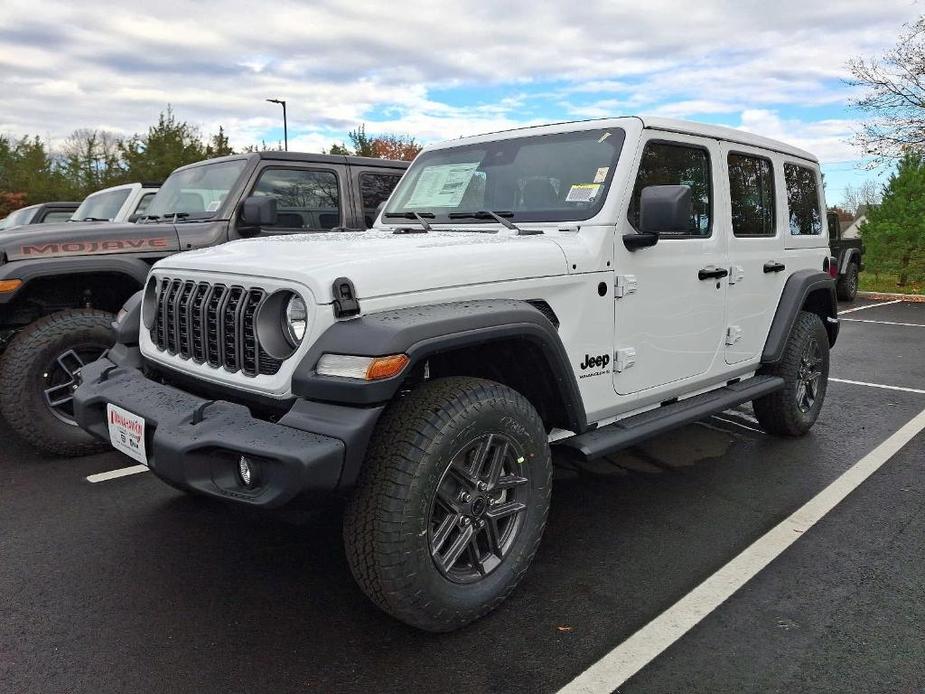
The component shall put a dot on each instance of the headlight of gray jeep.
(282, 324)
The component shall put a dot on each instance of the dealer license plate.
(127, 432)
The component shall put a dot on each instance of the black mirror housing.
(256, 212)
(665, 210)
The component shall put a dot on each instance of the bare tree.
(894, 97)
(868, 193)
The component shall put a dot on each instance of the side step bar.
(632, 430)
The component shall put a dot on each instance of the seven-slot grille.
(211, 324)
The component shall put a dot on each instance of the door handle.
(774, 266)
(712, 273)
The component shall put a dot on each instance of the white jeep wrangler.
(581, 285)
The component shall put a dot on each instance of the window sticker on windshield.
(601, 174)
(603, 137)
(582, 192)
(213, 206)
(442, 186)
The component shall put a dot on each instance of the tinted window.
(538, 178)
(671, 164)
(56, 217)
(304, 199)
(375, 189)
(751, 189)
(803, 200)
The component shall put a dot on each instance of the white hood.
(380, 262)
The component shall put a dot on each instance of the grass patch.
(884, 282)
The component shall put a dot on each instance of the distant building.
(852, 231)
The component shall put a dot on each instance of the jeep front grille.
(211, 324)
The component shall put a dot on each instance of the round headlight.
(296, 320)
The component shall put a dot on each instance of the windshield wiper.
(158, 218)
(419, 216)
(92, 219)
(499, 216)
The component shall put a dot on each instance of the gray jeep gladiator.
(61, 285)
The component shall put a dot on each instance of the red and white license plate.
(127, 432)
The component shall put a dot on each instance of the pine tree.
(894, 234)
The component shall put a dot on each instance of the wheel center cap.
(479, 504)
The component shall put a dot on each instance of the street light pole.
(282, 102)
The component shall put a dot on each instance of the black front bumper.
(195, 443)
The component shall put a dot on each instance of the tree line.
(32, 171)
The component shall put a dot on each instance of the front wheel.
(793, 410)
(452, 502)
(37, 378)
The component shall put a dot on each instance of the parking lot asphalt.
(129, 586)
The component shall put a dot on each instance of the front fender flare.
(28, 270)
(423, 331)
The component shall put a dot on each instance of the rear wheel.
(848, 283)
(793, 410)
(452, 503)
(37, 378)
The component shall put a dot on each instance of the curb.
(911, 298)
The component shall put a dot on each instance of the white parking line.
(115, 474)
(877, 385)
(862, 308)
(638, 650)
(882, 322)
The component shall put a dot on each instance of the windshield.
(18, 217)
(196, 193)
(103, 206)
(539, 178)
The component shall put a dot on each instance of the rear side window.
(751, 190)
(304, 199)
(675, 164)
(375, 189)
(803, 200)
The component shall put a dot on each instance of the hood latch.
(345, 298)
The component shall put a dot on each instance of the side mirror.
(256, 212)
(662, 210)
(135, 217)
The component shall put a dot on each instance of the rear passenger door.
(757, 266)
(309, 197)
(373, 186)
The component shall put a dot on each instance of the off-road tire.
(387, 522)
(780, 412)
(22, 369)
(847, 286)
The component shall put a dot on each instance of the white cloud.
(115, 65)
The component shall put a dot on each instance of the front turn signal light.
(9, 285)
(362, 368)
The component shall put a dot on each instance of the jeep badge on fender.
(432, 404)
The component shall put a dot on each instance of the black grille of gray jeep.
(211, 324)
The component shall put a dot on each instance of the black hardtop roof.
(307, 157)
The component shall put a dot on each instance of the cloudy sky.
(440, 70)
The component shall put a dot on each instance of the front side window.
(375, 188)
(304, 199)
(751, 191)
(675, 164)
(101, 207)
(144, 203)
(197, 192)
(558, 177)
(803, 200)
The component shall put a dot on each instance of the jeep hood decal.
(87, 238)
(380, 262)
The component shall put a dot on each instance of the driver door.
(670, 298)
